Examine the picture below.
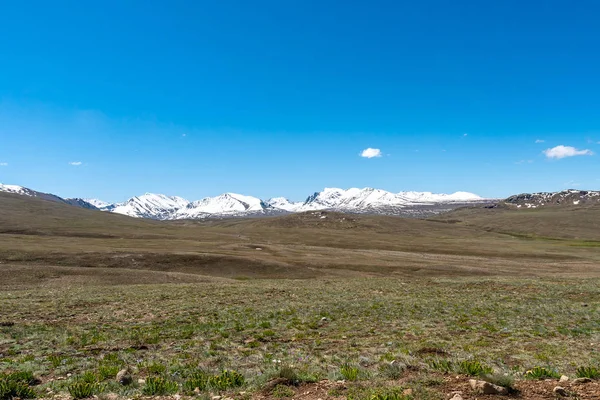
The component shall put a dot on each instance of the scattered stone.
(457, 397)
(124, 377)
(364, 361)
(560, 391)
(111, 396)
(407, 392)
(141, 381)
(197, 390)
(216, 398)
(564, 379)
(581, 380)
(487, 388)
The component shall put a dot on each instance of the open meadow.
(310, 306)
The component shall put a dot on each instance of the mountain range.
(367, 200)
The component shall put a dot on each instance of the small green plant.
(107, 372)
(474, 368)
(12, 389)
(282, 391)
(25, 377)
(157, 386)
(288, 373)
(541, 373)
(17, 385)
(82, 390)
(225, 380)
(440, 364)
(55, 360)
(156, 369)
(588, 372)
(349, 372)
(391, 370)
(88, 377)
(196, 380)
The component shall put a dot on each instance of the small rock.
(364, 361)
(457, 397)
(177, 397)
(197, 390)
(216, 398)
(124, 377)
(581, 380)
(563, 379)
(141, 381)
(69, 375)
(111, 396)
(559, 390)
(487, 388)
(407, 392)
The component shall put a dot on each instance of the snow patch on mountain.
(98, 203)
(225, 204)
(281, 203)
(149, 205)
(15, 189)
(369, 198)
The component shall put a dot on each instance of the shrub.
(588, 372)
(349, 372)
(82, 390)
(541, 373)
(156, 386)
(474, 368)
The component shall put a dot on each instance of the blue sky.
(279, 98)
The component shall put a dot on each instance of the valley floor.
(415, 337)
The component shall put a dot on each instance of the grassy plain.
(301, 306)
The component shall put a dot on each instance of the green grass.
(479, 323)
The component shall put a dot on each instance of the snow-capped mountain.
(370, 199)
(149, 205)
(354, 200)
(81, 203)
(225, 204)
(281, 203)
(97, 203)
(34, 193)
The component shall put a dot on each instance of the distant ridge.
(354, 200)
(570, 197)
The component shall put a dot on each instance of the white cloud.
(465, 134)
(184, 134)
(561, 151)
(3, 164)
(370, 153)
(540, 141)
(524, 162)
(75, 163)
